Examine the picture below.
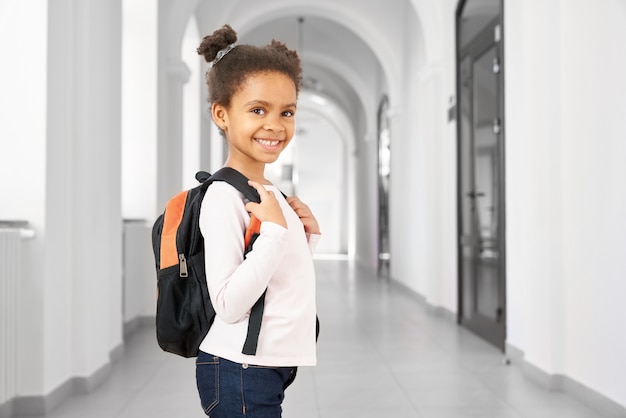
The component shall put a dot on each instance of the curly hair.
(228, 73)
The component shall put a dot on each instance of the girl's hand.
(268, 210)
(305, 215)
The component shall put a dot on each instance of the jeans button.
(244, 365)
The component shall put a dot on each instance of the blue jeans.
(233, 390)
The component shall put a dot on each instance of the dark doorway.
(480, 124)
(384, 172)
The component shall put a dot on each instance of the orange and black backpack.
(184, 311)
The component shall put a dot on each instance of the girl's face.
(260, 121)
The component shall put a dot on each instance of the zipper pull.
(183, 265)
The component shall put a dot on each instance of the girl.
(253, 93)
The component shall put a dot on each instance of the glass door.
(481, 184)
(384, 172)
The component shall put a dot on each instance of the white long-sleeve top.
(280, 261)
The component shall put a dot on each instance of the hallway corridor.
(380, 354)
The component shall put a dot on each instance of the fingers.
(268, 209)
(296, 204)
(301, 209)
(262, 191)
(305, 214)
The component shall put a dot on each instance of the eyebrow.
(267, 104)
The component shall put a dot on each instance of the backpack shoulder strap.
(240, 182)
(237, 180)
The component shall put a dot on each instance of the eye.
(288, 113)
(258, 111)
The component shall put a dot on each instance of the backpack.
(184, 312)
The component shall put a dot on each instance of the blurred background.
(471, 151)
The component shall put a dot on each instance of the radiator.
(10, 243)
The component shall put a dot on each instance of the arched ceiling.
(356, 49)
(352, 54)
(333, 57)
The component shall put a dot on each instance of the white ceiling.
(322, 42)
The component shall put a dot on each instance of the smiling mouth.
(268, 143)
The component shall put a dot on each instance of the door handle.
(496, 126)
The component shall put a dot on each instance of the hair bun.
(212, 44)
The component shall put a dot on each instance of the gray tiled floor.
(380, 355)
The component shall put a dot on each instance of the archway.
(384, 76)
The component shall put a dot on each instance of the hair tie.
(222, 53)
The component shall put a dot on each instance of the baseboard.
(550, 382)
(138, 322)
(558, 382)
(6, 409)
(594, 399)
(44, 404)
(36, 406)
(439, 311)
(85, 385)
(117, 353)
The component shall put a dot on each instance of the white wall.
(321, 156)
(139, 109)
(192, 106)
(565, 107)
(83, 237)
(595, 204)
(564, 141)
(23, 82)
(140, 286)
(423, 191)
(60, 162)
(22, 109)
(405, 194)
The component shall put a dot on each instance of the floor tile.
(381, 353)
(472, 412)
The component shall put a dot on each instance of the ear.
(219, 115)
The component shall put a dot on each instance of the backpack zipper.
(183, 265)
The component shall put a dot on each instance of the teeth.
(267, 143)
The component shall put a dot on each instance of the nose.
(274, 123)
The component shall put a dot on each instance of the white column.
(170, 135)
(534, 159)
(81, 254)
(139, 107)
